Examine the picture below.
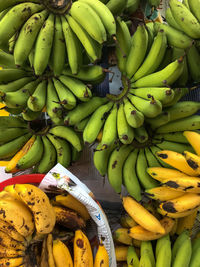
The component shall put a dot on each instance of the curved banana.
(11, 231)
(193, 58)
(101, 258)
(27, 37)
(61, 254)
(8, 242)
(146, 250)
(80, 126)
(151, 159)
(177, 137)
(141, 134)
(194, 139)
(49, 248)
(163, 193)
(143, 217)
(15, 85)
(121, 235)
(9, 134)
(170, 19)
(174, 146)
(12, 262)
(38, 203)
(193, 161)
(132, 257)
(126, 221)
(134, 117)
(164, 251)
(121, 253)
(116, 6)
(115, 166)
(10, 75)
(192, 7)
(175, 215)
(37, 100)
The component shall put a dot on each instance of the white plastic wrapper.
(99, 226)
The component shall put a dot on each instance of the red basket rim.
(23, 179)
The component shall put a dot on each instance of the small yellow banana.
(161, 172)
(39, 204)
(186, 223)
(163, 193)
(101, 258)
(193, 161)
(62, 256)
(121, 253)
(49, 245)
(194, 139)
(126, 221)
(70, 202)
(12, 262)
(10, 189)
(140, 233)
(176, 160)
(183, 203)
(177, 214)
(8, 242)
(142, 216)
(82, 250)
(10, 253)
(121, 235)
(11, 231)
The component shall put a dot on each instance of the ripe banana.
(12, 262)
(193, 138)
(142, 216)
(101, 257)
(163, 193)
(49, 248)
(121, 235)
(176, 215)
(193, 161)
(127, 221)
(121, 253)
(10, 243)
(61, 254)
(11, 231)
(186, 223)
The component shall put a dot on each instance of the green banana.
(67, 99)
(27, 37)
(178, 94)
(14, 19)
(77, 87)
(33, 155)
(174, 137)
(193, 57)
(116, 6)
(175, 146)
(63, 150)
(9, 149)
(183, 254)
(20, 97)
(73, 47)
(88, 73)
(12, 122)
(137, 51)
(58, 49)
(166, 59)
(154, 56)
(149, 108)
(170, 19)
(189, 24)
(115, 166)
(134, 117)
(151, 159)
(83, 110)
(11, 43)
(109, 135)
(146, 247)
(15, 85)
(91, 46)
(145, 260)
(132, 258)
(178, 243)
(163, 94)
(96, 122)
(185, 124)
(13, 111)
(54, 109)
(48, 159)
(151, 34)
(123, 44)
(174, 37)
(130, 178)
(125, 131)
(141, 134)
(105, 15)
(6, 60)
(37, 100)
(10, 3)
(164, 253)
(75, 154)
(43, 45)
(194, 262)
(144, 178)
(159, 120)
(9, 75)
(9, 134)
(81, 10)
(80, 126)
(131, 7)
(29, 115)
(193, 4)
(183, 79)
(68, 134)
(101, 158)
(166, 76)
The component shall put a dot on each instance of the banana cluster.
(49, 36)
(23, 148)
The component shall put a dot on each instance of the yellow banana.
(82, 250)
(176, 160)
(143, 217)
(163, 193)
(174, 228)
(126, 221)
(49, 245)
(180, 204)
(10, 253)
(121, 253)
(23, 219)
(70, 202)
(194, 139)
(9, 242)
(11, 190)
(61, 254)
(193, 161)
(38, 203)
(44, 255)
(140, 233)
(121, 235)
(175, 215)
(101, 258)
(12, 262)
(186, 223)
(11, 231)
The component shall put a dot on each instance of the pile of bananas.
(53, 33)
(24, 147)
(38, 231)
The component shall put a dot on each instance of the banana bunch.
(24, 147)
(50, 34)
